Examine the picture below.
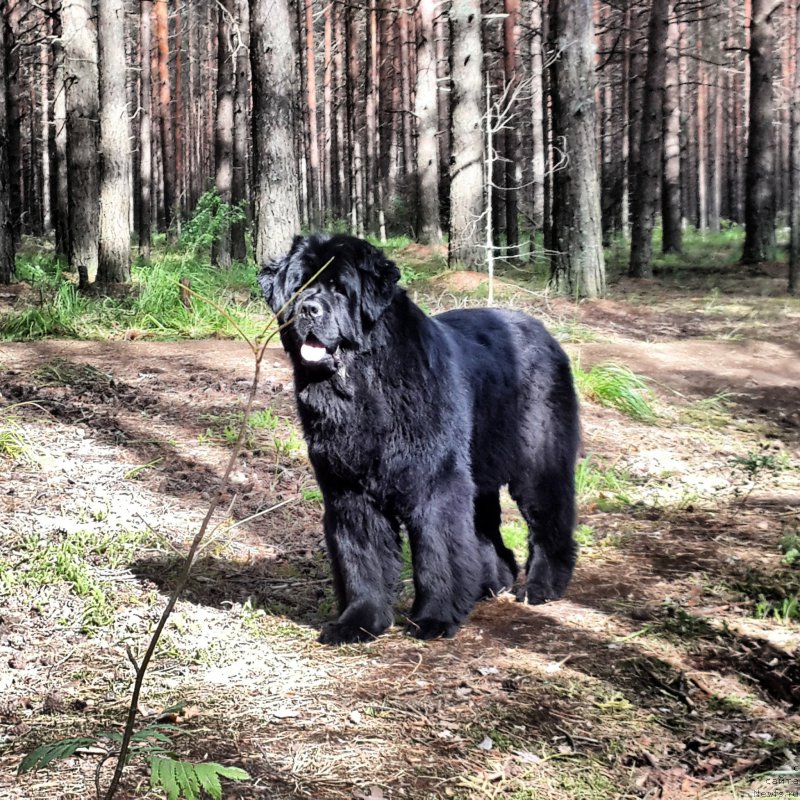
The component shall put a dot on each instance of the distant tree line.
(116, 116)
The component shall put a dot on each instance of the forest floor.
(671, 669)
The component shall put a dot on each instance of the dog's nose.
(311, 308)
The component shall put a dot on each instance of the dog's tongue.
(312, 351)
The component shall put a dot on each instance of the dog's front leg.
(448, 570)
(364, 550)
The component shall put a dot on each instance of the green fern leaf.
(163, 775)
(207, 775)
(54, 751)
(232, 773)
(187, 778)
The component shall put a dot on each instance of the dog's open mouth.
(312, 350)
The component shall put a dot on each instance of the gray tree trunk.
(466, 142)
(241, 120)
(537, 115)
(223, 129)
(6, 233)
(794, 166)
(577, 267)
(277, 217)
(672, 238)
(60, 201)
(759, 185)
(145, 135)
(80, 74)
(427, 114)
(114, 265)
(648, 175)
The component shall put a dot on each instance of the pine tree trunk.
(11, 54)
(537, 115)
(6, 233)
(59, 201)
(327, 118)
(759, 186)
(314, 204)
(177, 117)
(114, 265)
(44, 58)
(277, 217)
(512, 137)
(223, 144)
(167, 132)
(466, 155)
(672, 238)
(427, 115)
(354, 114)
(241, 120)
(794, 166)
(145, 141)
(645, 195)
(340, 153)
(80, 67)
(576, 267)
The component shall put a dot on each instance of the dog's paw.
(428, 628)
(344, 633)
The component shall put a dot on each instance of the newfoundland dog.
(418, 421)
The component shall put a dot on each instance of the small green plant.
(762, 459)
(13, 443)
(584, 535)
(608, 488)
(289, 446)
(615, 386)
(212, 218)
(790, 547)
(312, 495)
(515, 537)
(153, 744)
(785, 610)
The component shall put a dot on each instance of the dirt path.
(654, 677)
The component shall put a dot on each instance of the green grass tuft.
(615, 386)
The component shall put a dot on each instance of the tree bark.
(80, 67)
(277, 218)
(576, 266)
(466, 155)
(314, 193)
(759, 186)
(114, 265)
(537, 115)
(794, 165)
(512, 137)
(427, 114)
(145, 141)
(645, 195)
(165, 117)
(223, 129)
(241, 120)
(672, 233)
(6, 232)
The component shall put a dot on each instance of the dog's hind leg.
(547, 502)
(500, 569)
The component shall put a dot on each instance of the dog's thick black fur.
(418, 421)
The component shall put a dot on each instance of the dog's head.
(354, 285)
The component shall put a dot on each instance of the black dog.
(418, 421)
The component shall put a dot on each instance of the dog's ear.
(379, 277)
(271, 277)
